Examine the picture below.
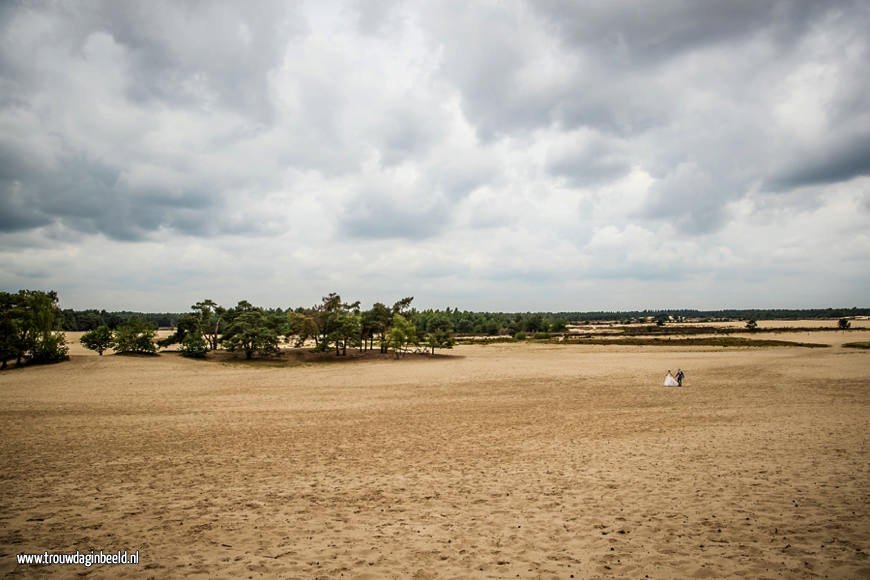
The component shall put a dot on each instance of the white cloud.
(516, 155)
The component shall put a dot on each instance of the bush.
(520, 335)
(541, 336)
(28, 320)
(194, 346)
(51, 348)
(135, 337)
(98, 339)
(558, 325)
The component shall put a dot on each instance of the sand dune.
(499, 461)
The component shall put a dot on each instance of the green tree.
(50, 348)
(136, 336)
(188, 324)
(403, 306)
(322, 314)
(534, 323)
(28, 328)
(402, 334)
(381, 318)
(211, 319)
(10, 329)
(194, 346)
(338, 323)
(300, 327)
(251, 331)
(98, 339)
(440, 333)
(490, 326)
(345, 325)
(465, 325)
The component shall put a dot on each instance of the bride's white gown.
(670, 381)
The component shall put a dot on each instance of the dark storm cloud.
(630, 33)
(832, 164)
(89, 197)
(16, 211)
(180, 50)
(603, 70)
(70, 72)
(633, 69)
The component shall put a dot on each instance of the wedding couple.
(672, 381)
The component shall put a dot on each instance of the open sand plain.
(500, 461)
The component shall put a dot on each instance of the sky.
(506, 156)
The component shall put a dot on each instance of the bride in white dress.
(670, 381)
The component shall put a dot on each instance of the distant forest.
(466, 322)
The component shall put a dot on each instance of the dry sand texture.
(499, 461)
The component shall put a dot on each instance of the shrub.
(50, 348)
(98, 339)
(520, 335)
(194, 346)
(135, 337)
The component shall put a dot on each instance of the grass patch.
(725, 341)
(702, 329)
(493, 340)
(862, 345)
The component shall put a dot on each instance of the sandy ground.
(502, 461)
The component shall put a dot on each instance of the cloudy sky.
(540, 155)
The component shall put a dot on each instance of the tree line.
(334, 325)
(79, 320)
(31, 325)
(465, 322)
